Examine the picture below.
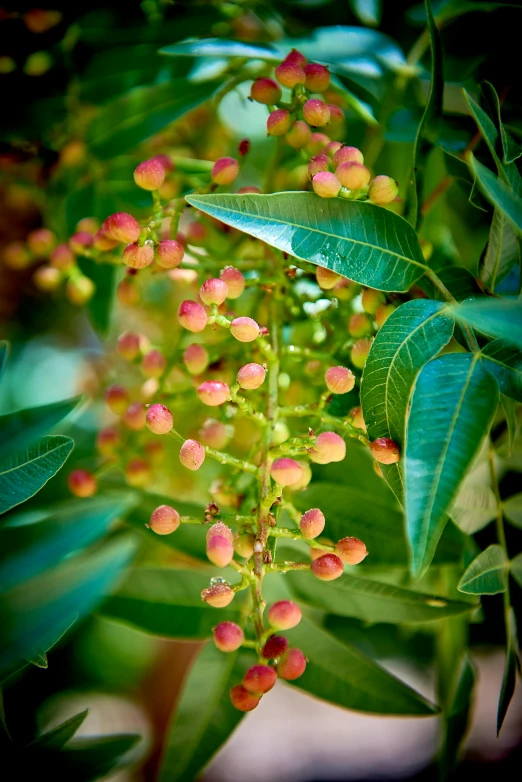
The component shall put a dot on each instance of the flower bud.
(218, 595)
(80, 290)
(278, 122)
(359, 352)
(137, 473)
(244, 544)
(221, 529)
(47, 278)
(41, 242)
(127, 293)
(289, 74)
(220, 550)
(385, 451)
(326, 278)
(242, 700)
(266, 91)
(128, 345)
(213, 291)
(317, 77)
(107, 440)
(138, 257)
(102, 241)
(318, 143)
(159, 419)
(360, 325)
(327, 567)
(169, 254)
(329, 447)
(274, 647)
(286, 471)
(89, 224)
(339, 380)
(192, 316)
(164, 520)
(244, 329)
(320, 162)
(312, 523)
(352, 175)
(213, 393)
(284, 615)
(251, 376)
(80, 242)
(234, 280)
(82, 483)
(351, 550)
(326, 184)
(259, 679)
(316, 113)
(215, 434)
(336, 114)
(348, 155)
(292, 665)
(134, 416)
(296, 57)
(383, 190)
(332, 148)
(150, 174)
(121, 227)
(195, 359)
(305, 479)
(228, 636)
(372, 300)
(62, 257)
(299, 135)
(192, 454)
(153, 364)
(357, 418)
(117, 399)
(225, 170)
(383, 313)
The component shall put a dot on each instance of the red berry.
(169, 254)
(296, 57)
(292, 665)
(348, 155)
(225, 170)
(150, 174)
(251, 376)
(121, 227)
(213, 393)
(159, 419)
(327, 567)
(242, 700)
(62, 257)
(360, 325)
(244, 329)
(213, 291)
(351, 550)
(228, 636)
(274, 647)
(259, 679)
(316, 113)
(135, 416)
(138, 257)
(286, 471)
(359, 352)
(266, 91)
(352, 175)
(234, 280)
(336, 114)
(129, 345)
(192, 316)
(278, 122)
(289, 74)
(195, 359)
(153, 363)
(385, 451)
(117, 399)
(317, 164)
(284, 615)
(164, 520)
(299, 135)
(220, 550)
(218, 595)
(243, 147)
(317, 77)
(192, 454)
(137, 472)
(329, 447)
(82, 483)
(312, 523)
(339, 380)
(326, 184)
(383, 190)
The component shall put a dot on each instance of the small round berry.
(305, 479)
(318, 143)
(47, 278)
(348, 155)
(292, 665)
(138, 257)
(153, 364)
(192, 454)
(360, 325)
(289, 74)
(228, 636)
(213, 393)
(383, 313)
(102, 241)
(266, 91)
(218, 595)
(326, 184)
(251, 376)
(80, 242)
(137, 473)
(312, 523)
(286, 471)
(195, 358)
(155, 452)
(121, 227)
(339, 380)
(383, 190)
(215, 434)
(234, 280)
(326, 278)
(327, 567)
(165, 161)
(62, 257)
(134, 416)
(259, 679)
(150, 174)
(164, 520)
(221, 529)
(278, 122)
(371, 300)
(169, 254)
(332, 148)
(117, 399)
(296, 57)
(243, 147)
(385, 451)
(41, 242)
(351, 550)
(220, 550)
(274, 647)
(316, 113)
(244, 329)
(352, 175)
(317, 77)
(82, 483)
(242, 700)
(284, 615)
(299, 135)
(213, 291)
(329, 447)
(244, 544)
(192, 316)
(108, 440)
(80, 290)
(359, 352)
(129, 345)
(336, 114)
(356, 415)
(127, 293)
(159, 419)
(315, 553)
(317, 164)
(225, 170)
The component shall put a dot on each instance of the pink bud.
(352, 175)
(296, 57)
(129, 345)
(318, 163)
(251, 376)
(286, 471)
(332, 148)
(82, 483)
(278, 122)
(225, 170)
(218, 595)
(138, 257)
(228, 636)
(244, 329)
(159, 419)
(192, 454)
(213, 291)
(153, 363)
(41, 242)
(284, 615)
(102, 241)
(351, 550)
(195, 359)
(339, 380)
(383, 190)
(360, 325)
(220, 550)
(117, 399)
(385, 450)
(192, 316)
(259, 679)
(274, 647)
(221, 529)
(80, 242)
(318, 143)
(359, 352)
(336, 114)
(328, 567)
(316, 112)
(242, 700)
(299, 135)
(121, 227)
(164, 520)
(150, 174)
(62, 257)
(165, 161)
(292, 665)
(326, 184)
(265, 91)
(317, 77)
(108, 440)
(326, 278)
(289, 74)
(213, 393)
(329, 447)
(215, 434)
(137, 473)
(234, 280)
(169, 254)
(134, 416)
(312, 523)
(348, 155)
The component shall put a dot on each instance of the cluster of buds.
(339, 170)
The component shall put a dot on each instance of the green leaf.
(502, 252)
(511, 151)
(453, 404)
(513, 509)
(515, 567)
(432, 113)
(510, 412)
(457, 716)
(219, 47)
(89, 758)
(488, 131)
(59, 736)
(505, 363)
(141, 113)
(342, 675)
(19, 429)
(374, 601)
(474, 507)
(487, 574)
(34, 614)
(204, 717)
(509, 680)
(366, 243)
(367, 11)
(411, 336)
(4, 352)
(23, 474)
(497, 192)
(495, 317)
(168, 602)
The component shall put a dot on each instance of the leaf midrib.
(36, 458)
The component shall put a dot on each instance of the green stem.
(468, 333)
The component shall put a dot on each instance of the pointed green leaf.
(509, 680)
(457, 716)
(4, 352)
(502, 252)
(19, 429)
(342, 675)
(86, 758)
(505, 363)
(511, 151)
(204, 717)
(23, 474)
(487, 130)
(487, 574)
(496, 317)
(374, 601)
(474, 507)
(515, 567)
(368, 244)
(40, 660)
(411, 336)
(497, 192)
(219, 47)
(59, 736)
(513, 510)
(367, 11)
(452, 407)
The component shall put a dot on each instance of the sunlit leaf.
(57, 737)
(512, 508)
(487, 574)
(474, 507)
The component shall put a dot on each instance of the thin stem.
(284, 567)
